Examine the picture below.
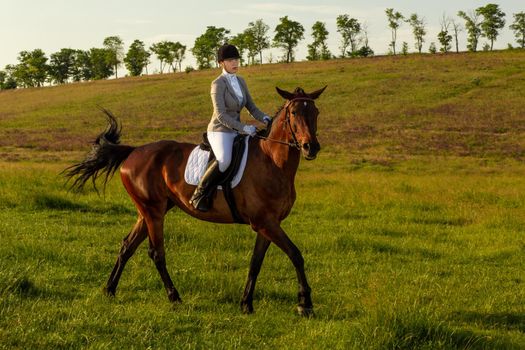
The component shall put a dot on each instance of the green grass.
(397, 258)
(411, 221)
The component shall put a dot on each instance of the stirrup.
(200, 202)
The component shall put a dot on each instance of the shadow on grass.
(415, 331)
(276, 295)
(21, 285)
(345, 244)
(501, 320)
(24, 287)
(388, 232)
(233, 298)
(54, 202)
(442, 221)
(417, 335)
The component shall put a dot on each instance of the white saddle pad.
(198, 160)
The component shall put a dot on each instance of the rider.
(229, 94)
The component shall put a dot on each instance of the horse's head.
(301, 119)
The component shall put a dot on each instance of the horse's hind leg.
(157, 254)
(129, 246)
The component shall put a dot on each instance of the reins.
(289, 144)
(295, 143)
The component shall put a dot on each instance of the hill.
(411, 220)
(468, 104)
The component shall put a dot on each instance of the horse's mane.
(279, 109)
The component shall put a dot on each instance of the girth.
(238, 148)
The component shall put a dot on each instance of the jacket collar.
(227, 76)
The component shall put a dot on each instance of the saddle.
(225, 182)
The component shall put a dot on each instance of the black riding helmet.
(227, 51)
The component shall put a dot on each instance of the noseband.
(295, 143)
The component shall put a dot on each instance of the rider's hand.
(249, 130)
(267, 120)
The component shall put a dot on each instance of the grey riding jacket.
(227, 107)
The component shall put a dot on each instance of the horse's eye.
(293, 112)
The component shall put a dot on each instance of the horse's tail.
(105, 157)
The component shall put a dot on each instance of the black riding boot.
(201, 198)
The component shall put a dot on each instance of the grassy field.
(411, 221)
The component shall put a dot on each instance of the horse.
(153, 176)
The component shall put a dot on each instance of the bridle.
(295, 143)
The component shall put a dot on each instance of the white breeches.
(222, 144)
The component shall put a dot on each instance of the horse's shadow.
(501, 320)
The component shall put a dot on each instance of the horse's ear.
(285, 94)
(316, 94)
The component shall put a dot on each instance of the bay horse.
(153, 175)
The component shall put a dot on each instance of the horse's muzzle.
(310, 150)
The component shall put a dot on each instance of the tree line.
(69, 65)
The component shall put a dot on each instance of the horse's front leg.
(277, 235)
(259, 251)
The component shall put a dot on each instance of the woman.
(229, 94)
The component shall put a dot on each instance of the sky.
(82, 24)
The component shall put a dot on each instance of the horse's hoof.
(305, 311)
(246, 308)
(175, 299)
(108, 292)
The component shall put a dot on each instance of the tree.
(349, 28)
(203, 52)
(443, 36)
(3, 78)
(61, 65)
(83, 67)
(102, 62)
(473, 28)
(457, 29)
(162, 51)
(170, 54)
(115, 46)
(394, 22)
(206, 46)
(404, 48)
(519, 28)
(175, 54)
(241, 42)
(6, 80)
(217, 38)
(318, 49)
(179, 54)
(418, 28)
(258, 37)
(250, 45)
(365, 50)
(364, 34)
(136, 58)
(32, 69)
(288, 33)
(432, 48)
(493, 21)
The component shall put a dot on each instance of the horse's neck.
(285, 157)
